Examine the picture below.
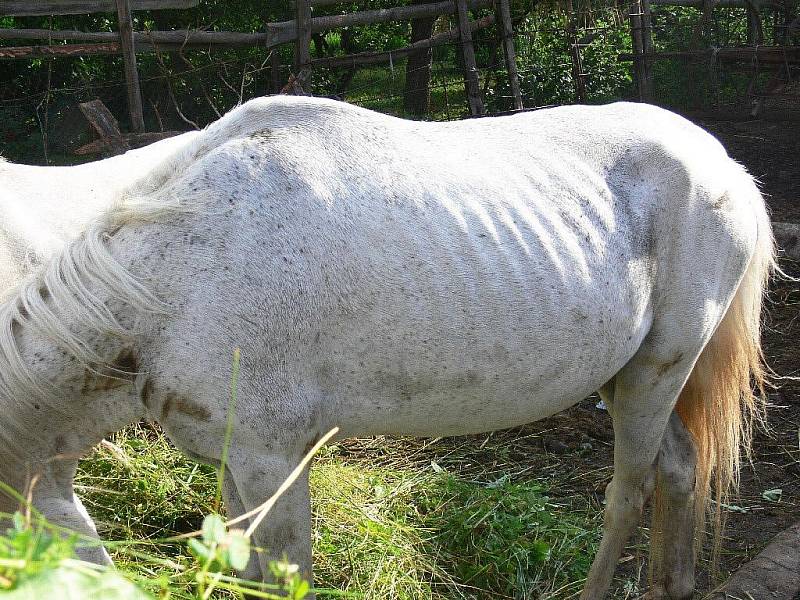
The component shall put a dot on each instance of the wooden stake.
(471, 86)
(275, 71)
(131, 71)
(647, 48)
(106, 126)
(639, 60)
(302, 47)
(506, 29)
(575, 52)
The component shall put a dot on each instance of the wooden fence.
(298, 31)
(777, 58)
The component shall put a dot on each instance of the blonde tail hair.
(724, 394)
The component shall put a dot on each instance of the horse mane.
(70, 292)
(67, 294)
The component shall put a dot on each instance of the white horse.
(392, 277)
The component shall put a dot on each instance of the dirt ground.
(771, 152)
(769, 500)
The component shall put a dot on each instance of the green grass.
(393, 518)
(381, 89)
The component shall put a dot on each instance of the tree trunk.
(417, 95)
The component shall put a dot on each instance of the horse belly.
(455, 366)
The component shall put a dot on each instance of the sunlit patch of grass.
(141, 486)
(391, 518)
(396, 533)
(382, 89)
(140, 489)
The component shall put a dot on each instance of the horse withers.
(393, 277)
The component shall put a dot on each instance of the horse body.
(411, 278)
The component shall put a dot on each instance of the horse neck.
(42, 207)
(43, 435)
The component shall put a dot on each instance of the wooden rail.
(145, 40)
(764, 54)
(40, 8)
(298, 31)
(723, 3)
(283, 32)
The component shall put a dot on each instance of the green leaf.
(213, 529)
(200, 550)
(76, 580)
(773, 495)
(300, 590)
(238, 550)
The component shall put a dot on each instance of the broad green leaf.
(73, 580)
(213, 529)
(300, 590)
(238, 550)
(200, 550)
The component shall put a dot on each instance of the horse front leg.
(55, 498)
(234, 507)
(285, 533)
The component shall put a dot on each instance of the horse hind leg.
(644, 394)
(674, 517)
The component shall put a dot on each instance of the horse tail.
(724, 394)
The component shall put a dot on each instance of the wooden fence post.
(302, 46)
(575, 52)
(647, 48)
(471, 86)
(640, 36)
(131, 71)
(506, 29)
(275, 71)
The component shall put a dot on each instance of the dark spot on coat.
(166, 408)
(93, 382)
(720, 202)
(263, 135)
(146, 393)
(126, 362)
(173, 402)
(668, 365)
(116, 375)
(192, 409)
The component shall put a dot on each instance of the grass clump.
(405, 533)
(389, 521)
